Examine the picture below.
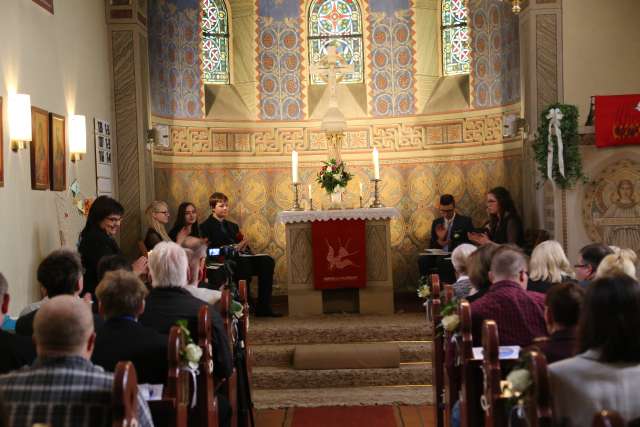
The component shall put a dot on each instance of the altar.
(375, 297)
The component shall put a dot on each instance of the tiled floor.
(405, 416)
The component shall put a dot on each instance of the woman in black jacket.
(504, 225)
(186, 223)
(97, 239)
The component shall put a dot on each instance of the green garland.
(571, 150)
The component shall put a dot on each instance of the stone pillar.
(541, 74)
(127, 26)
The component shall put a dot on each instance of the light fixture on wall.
(19, 120)
(77, 136)
(515, 6)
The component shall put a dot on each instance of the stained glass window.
(337, 22)
(215, 42)
(456, 53)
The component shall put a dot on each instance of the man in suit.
(17, 351)
(222, 232)
(447, 232)
(60, 273)
(121, 297)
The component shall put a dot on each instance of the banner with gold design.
(339, 255)
(617, 120)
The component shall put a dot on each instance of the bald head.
(64, 326)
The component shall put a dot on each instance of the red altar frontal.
(339, 249)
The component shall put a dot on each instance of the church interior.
(241, 103)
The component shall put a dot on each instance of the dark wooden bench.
(229, 387)
(125, 395)
(438, 352)
(206, 411)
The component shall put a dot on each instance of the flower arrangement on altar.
(333, 177)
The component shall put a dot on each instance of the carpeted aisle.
(341, 416)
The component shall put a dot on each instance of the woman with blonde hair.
(548, 266)
(157, 215)
(621, 262)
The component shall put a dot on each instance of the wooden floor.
(353, 416)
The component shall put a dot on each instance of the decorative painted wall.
(392, 55)
(495, 58)
(421, 159)
(279, 69)
(174, 46)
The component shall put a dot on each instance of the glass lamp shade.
(77, 134)
(19, 117)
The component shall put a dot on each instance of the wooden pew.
(125, 395)
(451, 368)
(470, 373)
(492, 402)
(438, 352)
(173, 408)
(206, 412)
(245, 418)
(608, 419)
(538, 405)
(230, 386)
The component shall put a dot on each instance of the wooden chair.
(538, 405)
(470, 373)
(608, 419)
(125, 395)
(172, 409)
(438, 352)
(492, 402)
(230, 386)
(206, 412)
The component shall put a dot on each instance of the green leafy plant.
(571, 150)
(333, 176)
(191, 353)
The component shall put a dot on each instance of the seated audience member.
(548, 266)
(459, 257)
(504, 225)
(221, 232)
(62, 387)
(589, 258)
(169, 302)
(518, 313)
(478, 266)
(17, 350)
(606, 372)
(186, 223)
(622, 262)
(196, 251)
(112, 263)
(121, 297)
(60, 273)
(35, 305)
(157, 216)
(563, 303)
(97, 239)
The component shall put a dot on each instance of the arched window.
(215, 42)
(456, 53)
(337, 22)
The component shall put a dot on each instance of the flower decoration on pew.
(237, 309)
(424, 289)
(192, 352)
(333, 176)
(450, 319)
(515, 387)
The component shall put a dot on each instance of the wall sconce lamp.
(77, 136)
(19, 120)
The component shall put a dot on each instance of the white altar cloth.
(289, 217)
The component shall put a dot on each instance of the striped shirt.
(62, 392)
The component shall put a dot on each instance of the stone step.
(282, 355)
(275, 377)
(339, 328)
(350, 396)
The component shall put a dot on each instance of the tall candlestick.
(376, 164)
(360, 190)
(294, 166)
(310, 195)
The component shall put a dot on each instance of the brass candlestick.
(296, 201)
(361, 205)
(376, 195)
(310, 204)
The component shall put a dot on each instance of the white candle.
(376, 164)
(294, 166)
(360, 189)
(310, 195)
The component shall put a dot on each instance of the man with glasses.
(589, 259)
(447, 232)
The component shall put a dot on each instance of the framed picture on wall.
(57, 153)
(1, 148)
(40, 168)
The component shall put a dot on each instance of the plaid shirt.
(518, 313)
(62, 392)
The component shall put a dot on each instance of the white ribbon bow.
(555, 117)
(194, 373)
